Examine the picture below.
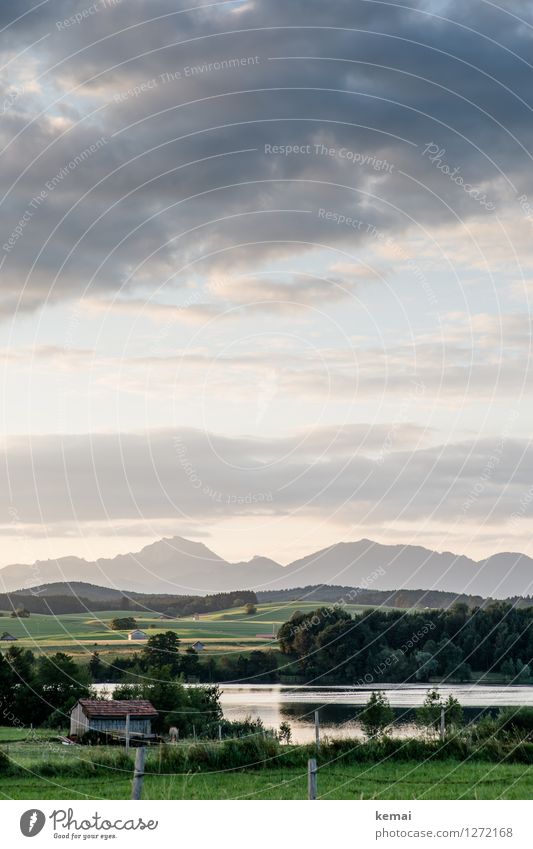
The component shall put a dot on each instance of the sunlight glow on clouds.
(224, 223)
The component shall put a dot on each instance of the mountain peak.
(186, 567)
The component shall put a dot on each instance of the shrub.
(517, 721)
(430, 713)
(5, 764)
(126, 623)
(377, 714)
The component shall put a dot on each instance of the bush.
(377, 714)
(247, 752)
(96, 738)
(285, 732)
(126, 623)
(5, 764)
(517, 721)
(20, 613)
(430, 712)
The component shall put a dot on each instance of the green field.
(81, 633)
(443, 780)
(37, 765)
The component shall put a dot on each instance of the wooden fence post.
(127, 732)
(442, 723)
(138, 773)
(311, 778)
(317, 730)
(220, 732)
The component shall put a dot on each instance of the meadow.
(81, 633)
(37, 765)
(451, 779)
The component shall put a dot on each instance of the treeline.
(42, 690)
(377, 598)
(377, 645)
(39, 690)
(254, 667)
(187, 605)
(166, 605)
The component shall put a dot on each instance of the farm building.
(110, 715)
(137, 635)
(198, 646)
(8, 638)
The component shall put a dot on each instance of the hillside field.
(81, 633)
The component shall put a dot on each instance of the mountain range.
(178, 565)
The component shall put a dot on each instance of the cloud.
(475, 358)
(188, 103)
(192, 476)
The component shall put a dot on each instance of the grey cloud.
(188, 475)
(137, 211)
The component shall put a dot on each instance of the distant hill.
(181, 566)
(403, 599)
(78, 589)
(79, 597)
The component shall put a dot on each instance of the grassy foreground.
(258, 767)
(410, 780)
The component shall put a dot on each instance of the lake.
(338, 706)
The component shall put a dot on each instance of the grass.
(15, 735)
(82, 633)
(257, 767)
(411, 780)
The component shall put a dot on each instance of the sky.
(265, 275)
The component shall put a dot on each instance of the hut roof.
(115, 707)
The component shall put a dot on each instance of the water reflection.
(340, 706)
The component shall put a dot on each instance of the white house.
(137, 635)
(198, 646)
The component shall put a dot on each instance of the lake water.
(338, 706)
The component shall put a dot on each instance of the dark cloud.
(177, 97)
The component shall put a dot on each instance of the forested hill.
(402, 599)
(61, 600)
(378, 645)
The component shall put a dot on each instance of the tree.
(96, 667)
(523, 670)
(453, 712)
(189, 663)
(127, 623)
(426, 665)
(430, 712)
(21, 661)
(20, 613)
(179, 706)
(60, 682)
(250, 609)
(507, 668)
(124, 603)
(376, 715)
(163, 650)
(8, 683)
(285, 732)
